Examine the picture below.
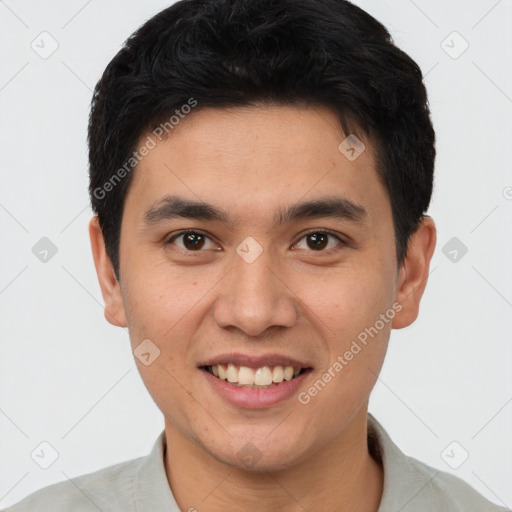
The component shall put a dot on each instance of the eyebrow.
(171, 207)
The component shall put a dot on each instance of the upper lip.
(254, 361)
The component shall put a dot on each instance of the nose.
(254, 297)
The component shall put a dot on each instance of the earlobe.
(110, 288)
(413, 275)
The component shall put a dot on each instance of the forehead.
(257, 159)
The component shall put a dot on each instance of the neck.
(341, 472)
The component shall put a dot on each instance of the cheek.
(355, 336)
(349, 301)
(161, 307)
(159, 297)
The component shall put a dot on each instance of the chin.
(260, 463)
(260, 454)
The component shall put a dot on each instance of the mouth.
(262, 377)
(248, 381)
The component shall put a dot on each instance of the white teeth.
(245, 376)
(278, 374)
(232, 373)
(263, 376)
(288, 373)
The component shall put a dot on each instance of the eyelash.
(342, 243)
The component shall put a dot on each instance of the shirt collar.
(402, 482)
(404, 486)
(151, 488)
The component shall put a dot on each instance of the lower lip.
(252, 398)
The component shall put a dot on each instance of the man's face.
(258, 285)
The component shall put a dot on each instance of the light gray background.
(68, 377)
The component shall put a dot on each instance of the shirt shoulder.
(136, 485)
(110, 488)
(445, 491)
(411, 485)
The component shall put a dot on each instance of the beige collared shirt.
(140, 485)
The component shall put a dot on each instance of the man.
(260, 173)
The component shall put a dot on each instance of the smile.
(262, 377)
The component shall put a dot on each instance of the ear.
(110, 288)
(413, 274)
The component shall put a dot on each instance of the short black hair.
(229, 53)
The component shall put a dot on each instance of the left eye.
(319, 240)
(192, 240)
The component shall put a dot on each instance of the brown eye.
(320, 240)
(317, 241)
(191, 241)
